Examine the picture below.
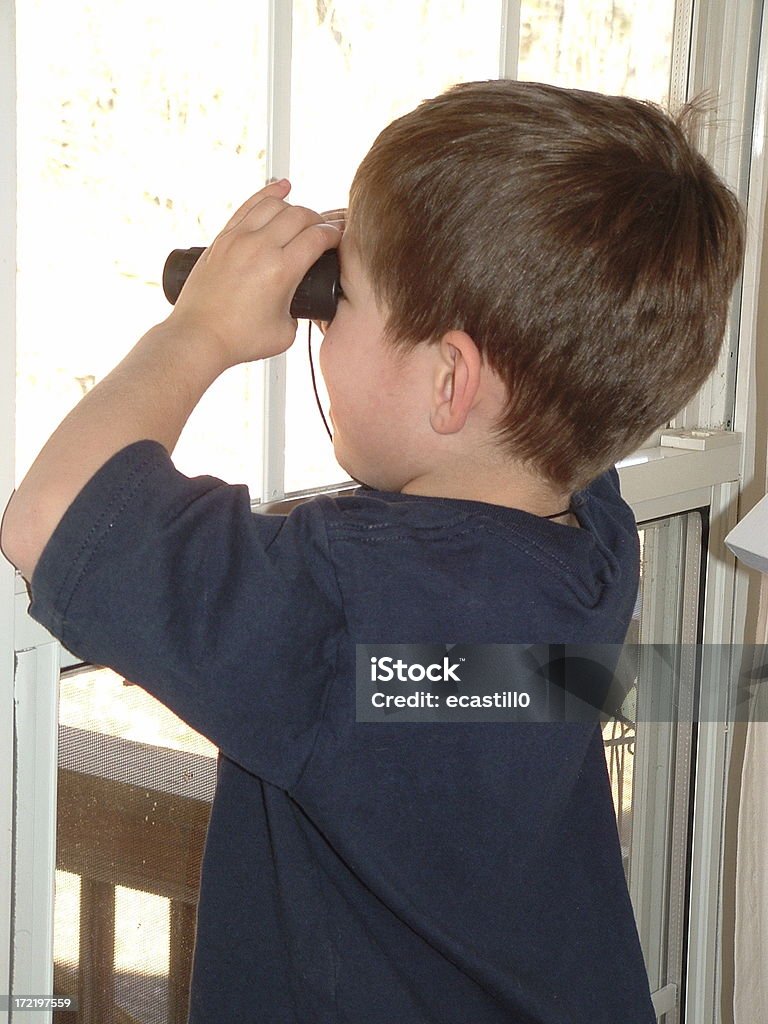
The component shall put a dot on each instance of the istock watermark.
(457, 682)
(384, 670)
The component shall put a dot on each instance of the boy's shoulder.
(417, 566)
(404, 535)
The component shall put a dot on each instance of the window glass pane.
(357, 65)
(66, 932)
(652, 757)
(102, 701)
(623, 47)
(135, 785)
(141, 128)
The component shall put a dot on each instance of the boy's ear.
(455, 383)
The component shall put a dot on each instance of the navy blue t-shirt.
(368, 873)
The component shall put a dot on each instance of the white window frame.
(8, 435)
(726, 39)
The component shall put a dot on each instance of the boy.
(534, 279)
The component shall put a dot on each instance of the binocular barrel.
(314, 299)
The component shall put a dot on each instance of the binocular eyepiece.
(314, 299)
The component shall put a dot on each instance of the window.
(650, 755)
(135, 785)
(140, 128)
(622, 48)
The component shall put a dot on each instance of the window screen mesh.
(132, 819)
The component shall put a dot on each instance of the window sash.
(278, 166)
(7, 450)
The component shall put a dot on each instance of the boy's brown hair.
(582, 242)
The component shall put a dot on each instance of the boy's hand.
(239, 291)
(336, 217)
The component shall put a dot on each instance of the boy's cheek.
(331, 367)
(322, 358)
(328, 381)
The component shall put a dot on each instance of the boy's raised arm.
(233, 309)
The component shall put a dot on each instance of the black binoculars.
(314, 299)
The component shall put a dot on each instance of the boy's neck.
(514, 490)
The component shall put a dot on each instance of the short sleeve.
(230, 618)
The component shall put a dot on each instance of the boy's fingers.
(308, 246)
(335, 215)
(279, 220)
(287, 223)
(275, 189)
